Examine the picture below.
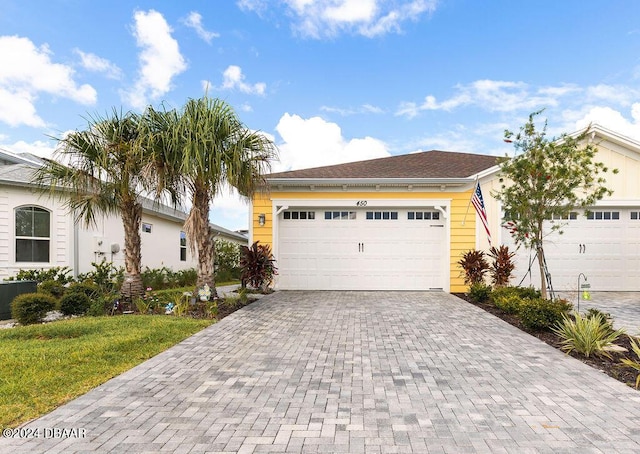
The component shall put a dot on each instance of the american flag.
(478, 204)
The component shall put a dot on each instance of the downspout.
(76, 253)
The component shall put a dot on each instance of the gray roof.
(19, 174)
(427, 164)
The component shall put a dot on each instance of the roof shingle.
(426, 164)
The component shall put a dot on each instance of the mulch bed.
(610, 366)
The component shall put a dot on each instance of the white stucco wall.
(160, 248)
(60, 246)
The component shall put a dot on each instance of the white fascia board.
(610, 135)
(368, 181)
(358, 203)
(487, 172)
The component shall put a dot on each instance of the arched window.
(33, 231)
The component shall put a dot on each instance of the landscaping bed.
(611, 366)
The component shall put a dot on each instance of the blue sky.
(329, 81)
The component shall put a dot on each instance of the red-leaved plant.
(502, 266)
(257, 265)
(474, 265)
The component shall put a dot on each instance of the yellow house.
(402, 223)
(395, 223)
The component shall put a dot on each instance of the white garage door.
(605, 246)
(361, 249)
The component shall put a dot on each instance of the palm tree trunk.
(132, 286)
(205, 244)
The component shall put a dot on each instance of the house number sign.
(361, 203)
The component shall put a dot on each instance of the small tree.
(548, 178)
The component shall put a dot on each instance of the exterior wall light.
(261, 219)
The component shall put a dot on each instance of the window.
(382, 215)
(603, 215)
(635, 215)
(302, 215)
(340, 215)
(567, 217)
(183, 247)
(146, 227)
(423, 215)
(33, 227)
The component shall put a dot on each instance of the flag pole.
(469, 204)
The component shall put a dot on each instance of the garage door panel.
(605, 250)
(353, 252)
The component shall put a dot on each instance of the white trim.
(250, 216)
(367, 181)
(290, 203)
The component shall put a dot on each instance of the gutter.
(369, 181)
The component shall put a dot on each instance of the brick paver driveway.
(353, 372)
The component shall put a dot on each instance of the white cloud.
(194, 21)
(160, 58)
(233, 79)
(364, 109)
(92, 62)
(315, 142)
(37, 148)
(18, 108)
(493, 96)
(616, 94)
(614, 120)
(25, 72)
(327, 18)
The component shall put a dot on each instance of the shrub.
(106, 276)
(586, 335)
(635, 346)
(87, 288)
(525, 293)
(30, 308)
(58, 274)
(509, 299)
(474, 265)
(227, 260)
(528, 292)
(540, 314)
(186, 278)
(53, 288)
(509, 303)
(102, 305)
(257, 266)
(74, 303)
(502, 265)
(479, 293)
(155, 278)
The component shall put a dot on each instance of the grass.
(44, 366)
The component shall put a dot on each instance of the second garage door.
(362, 249)
(604, 246)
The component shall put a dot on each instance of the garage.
(362, 248)
(603, 245)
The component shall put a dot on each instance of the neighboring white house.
(37, 231)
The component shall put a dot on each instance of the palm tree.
(199, 151)
(102, 174)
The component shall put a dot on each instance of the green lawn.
(44, 366)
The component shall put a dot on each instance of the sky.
(329, 81)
